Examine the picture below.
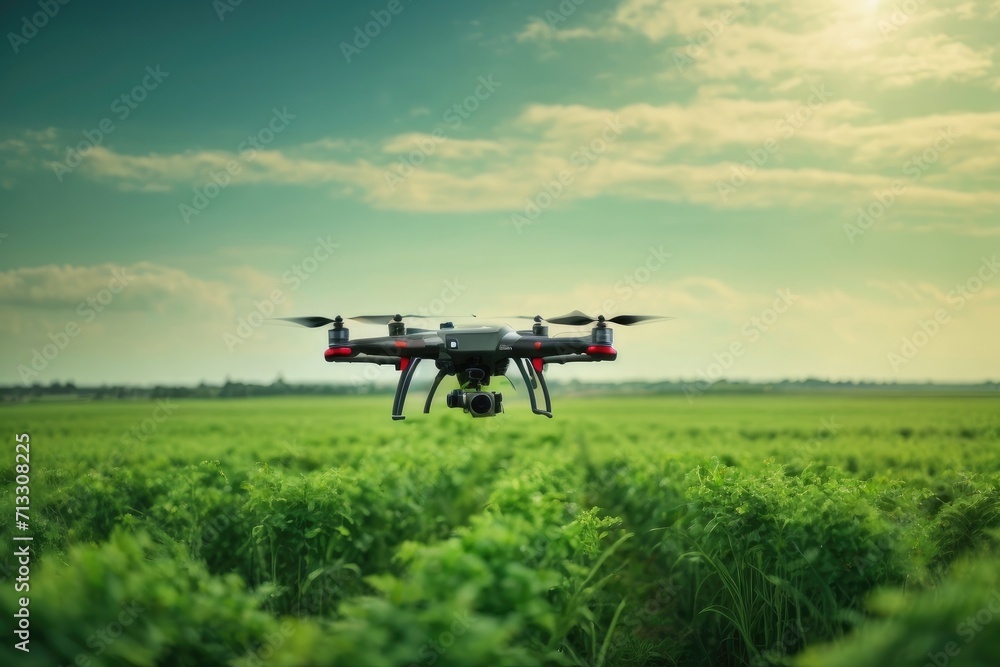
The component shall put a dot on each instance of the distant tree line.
(230, 389)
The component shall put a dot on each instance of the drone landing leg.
(531, 391)
(404, 385)
(430, 394)
(545, 394)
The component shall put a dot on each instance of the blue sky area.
(811, 184)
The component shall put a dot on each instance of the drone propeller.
(314, 321)
(577, 319)
(385, 319)
(630, 320)
(311, 321)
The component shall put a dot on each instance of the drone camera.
(478, 403)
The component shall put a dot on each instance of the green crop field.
(733, 530)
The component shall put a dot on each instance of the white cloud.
(540, 30)
(138, 286)
(777, 43)
(832, 153)
(428, 146)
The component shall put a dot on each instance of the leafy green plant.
(131, 601)
(626, 532)
(951, 625)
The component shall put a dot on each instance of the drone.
(473, 354)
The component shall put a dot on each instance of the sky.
(808, 189)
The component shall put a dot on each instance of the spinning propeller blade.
(574, 319)
(385, 319)
(314, 321)
(629, 320)
(309, 321)
(578, 319)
